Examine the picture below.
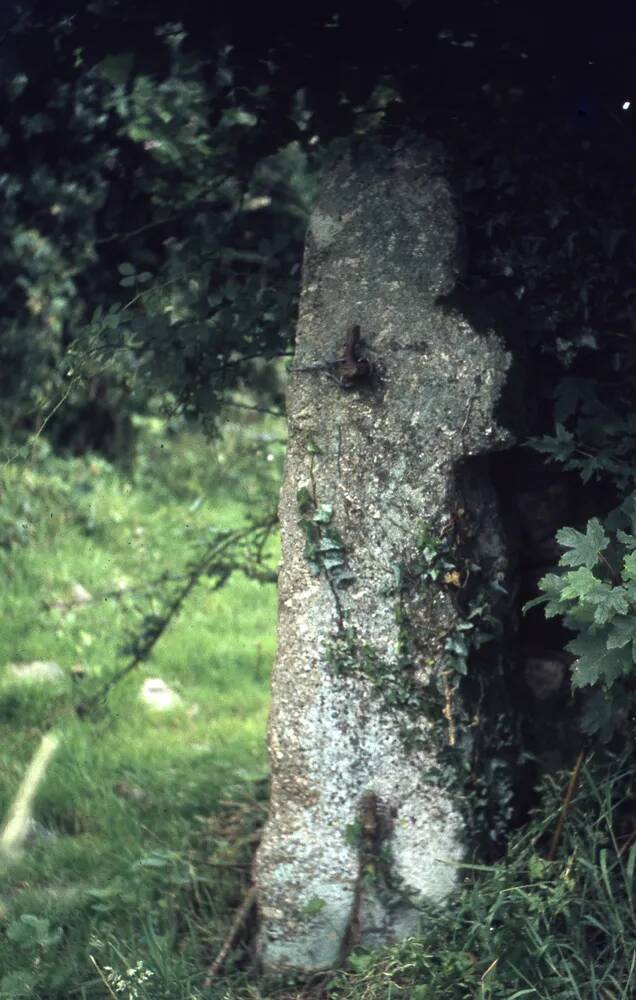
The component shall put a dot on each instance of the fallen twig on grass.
(16, 828)
(103, 978)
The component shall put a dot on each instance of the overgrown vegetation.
(146, 822)
(156, 180)
(594, 591)
(530, 927)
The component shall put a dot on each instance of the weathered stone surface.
(545, 675)
(377, 461)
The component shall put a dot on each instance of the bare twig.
(241, 916)
(249, 357)
(16, 827)
(567, 801)
(209, 563)
(44, 422)
(448, 711)
(257, 409)
(162, 222)
(103, 978)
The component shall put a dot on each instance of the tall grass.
(529, 927)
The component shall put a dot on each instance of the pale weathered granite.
(383, 246)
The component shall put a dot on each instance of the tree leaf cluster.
(594, 591)
(144, 244)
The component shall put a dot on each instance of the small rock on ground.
(156, 694)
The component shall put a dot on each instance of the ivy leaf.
(313, 448)
(331, 544)
(332, 562)
(595, 662)
(304, 500)
(585, 547)
(455, 644)
(324, 514)
(332, 538)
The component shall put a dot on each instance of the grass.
(529, 927)
(153, 818)
(152, 815)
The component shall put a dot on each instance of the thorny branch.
(214, 562)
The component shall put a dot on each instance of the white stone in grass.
(39, 671)
(156, 694)
(80, 595)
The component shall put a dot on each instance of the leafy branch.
(598, 602)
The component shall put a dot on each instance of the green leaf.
(324, 514)
(353, 833)
(622, 632)
(126, 268)
(304, 500)
(585, 547)
(359, 961)
(313, 448)
(551, 585)
(329, 543)
(238, 116)
(332, 562)
(629, 541)
(560, 447)
(578, 584)
(599, 715)
(629, 564)
(595, 662)
(608, 602)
